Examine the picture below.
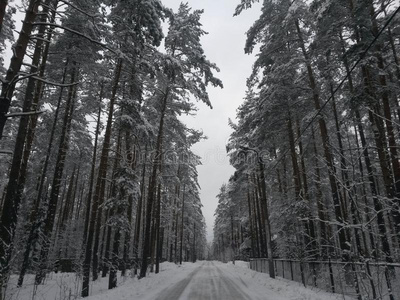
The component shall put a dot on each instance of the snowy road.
(208, 281)
(203, 280)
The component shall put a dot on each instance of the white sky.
(224, 46)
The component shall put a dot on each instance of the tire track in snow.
(176, 290)
(211, 283)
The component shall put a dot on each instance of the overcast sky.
(224, 46)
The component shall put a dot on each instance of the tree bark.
(152, 185)
(3, 6)
(17, 175)
(8, 85)
(158, 238)
(93, 231)
(112, 263)
(58, 174)
(182, 223)
(139, 211)
(264, 203)
(127, 238)
(251, 222)
(344, 245)
(35, 223)
(92, 170)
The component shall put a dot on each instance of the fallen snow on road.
(201, 280)
(185, 282)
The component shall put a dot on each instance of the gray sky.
(224, 46)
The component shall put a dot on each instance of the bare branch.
(34, 37)
(7, 152)
(45, 81)
(17, 78)
(29, 65)
(22, 114)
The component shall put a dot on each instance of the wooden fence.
(364, 281)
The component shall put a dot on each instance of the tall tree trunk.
(152, 186)
(158, 238)
(127, 238)
(299, 192)
(17, 175)
(8, 85)
(101, 183)
(33, 91)
(139, 211)
(368, 164)
(182, 223)
(105, 251)
(112, 279)
(265, 209)
(35, 223)
(259, 225)
(322, 215)
(3, 6)
(176, 233)
(92, 170)
(388, 120)
(344, 245)
(113, 261)
(93, 231)
(303, 173)
(108, 228)
(194, 242)
(251, 217)
(58, 174)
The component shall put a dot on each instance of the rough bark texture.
(92, 170)
(152, 186)
(100, 189)
(20, 47)
(344, 245)
(57, 178)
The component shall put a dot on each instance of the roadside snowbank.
(279, 288)
(149, 287)
(67, 286)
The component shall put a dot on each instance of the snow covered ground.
(202, 280)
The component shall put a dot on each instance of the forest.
(98, 176)
(96, 169)
(315, 144)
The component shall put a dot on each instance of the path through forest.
(194, 281)
(213, 280)
(209, 281)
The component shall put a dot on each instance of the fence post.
(356, 285)
(371, 280)
(291, 270)
(331, 275)
(314, 273)
(388, 283)
(283, 268)
(261, 265)
(303, 280)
